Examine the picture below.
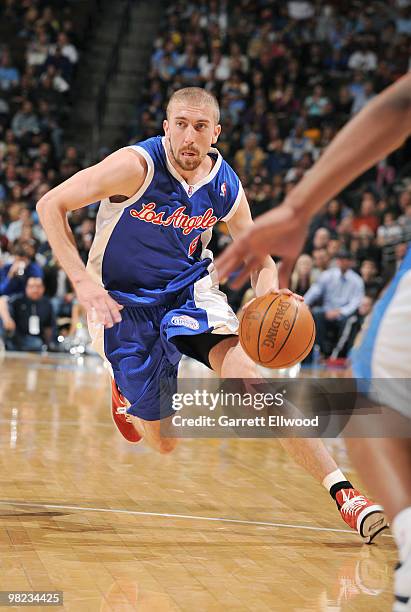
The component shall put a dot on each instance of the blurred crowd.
(39, 50)
(288, 75)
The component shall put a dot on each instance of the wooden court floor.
(219, 525)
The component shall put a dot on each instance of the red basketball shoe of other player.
(120, 417)
(361, 513)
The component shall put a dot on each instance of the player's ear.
(165, 126)
(217, 132)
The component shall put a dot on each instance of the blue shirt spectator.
(9, 75)
(13, 277)
(338, 288)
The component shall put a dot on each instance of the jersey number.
(193, 245)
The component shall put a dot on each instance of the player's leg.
(384, 465)
(229, 360)
(154, 434)
(383, 356)
(138, 362)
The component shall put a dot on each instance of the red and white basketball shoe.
(361, 513)
(120, 417)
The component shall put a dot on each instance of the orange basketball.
(277, 331)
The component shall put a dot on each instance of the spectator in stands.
(16, 227)
(28, 318)
(321, 262)
(349, 332)
(372, 282)
(333, 248)
(302, 279)
(297, 144)
(389, 232)
(321, 238)
(14, 276)
(366, 95)
(333, 298)
(405, 223)
(317, 105)
(9, 74)
(364, 58)
(333, 215)
(68, 50)
(59, 289)
(367, 216)
(250, 158)
(343, 105)
(38, 50)
(25, 122)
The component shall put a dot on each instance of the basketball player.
(385, 348)
(150, 287)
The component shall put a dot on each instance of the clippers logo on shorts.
(177, 219)
(185, 321)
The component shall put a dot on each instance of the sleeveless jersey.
(152, 246)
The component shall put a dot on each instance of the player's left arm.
(265, 277)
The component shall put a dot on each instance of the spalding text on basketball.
(271, 335)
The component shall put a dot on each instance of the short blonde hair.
(197, 96)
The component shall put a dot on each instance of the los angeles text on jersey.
(178, 218)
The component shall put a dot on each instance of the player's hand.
(274, 292)
(100, 307)
(297, 296)
(279, 232)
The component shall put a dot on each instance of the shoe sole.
(371, 522)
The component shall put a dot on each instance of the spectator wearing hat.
(334, 297)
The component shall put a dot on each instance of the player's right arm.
(121, 173)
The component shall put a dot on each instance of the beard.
(186, 162)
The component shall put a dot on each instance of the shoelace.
(352, 505)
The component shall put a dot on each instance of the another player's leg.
(384, 464)
(229, 360)
(383, 355)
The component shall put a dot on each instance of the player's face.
(190, 131)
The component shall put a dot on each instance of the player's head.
(192, 126)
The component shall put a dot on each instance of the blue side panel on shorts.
(361, 356)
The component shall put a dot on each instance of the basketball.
(277, 331)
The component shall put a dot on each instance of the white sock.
(401, 529)
(333, 478)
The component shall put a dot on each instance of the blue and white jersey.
(150, 247)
